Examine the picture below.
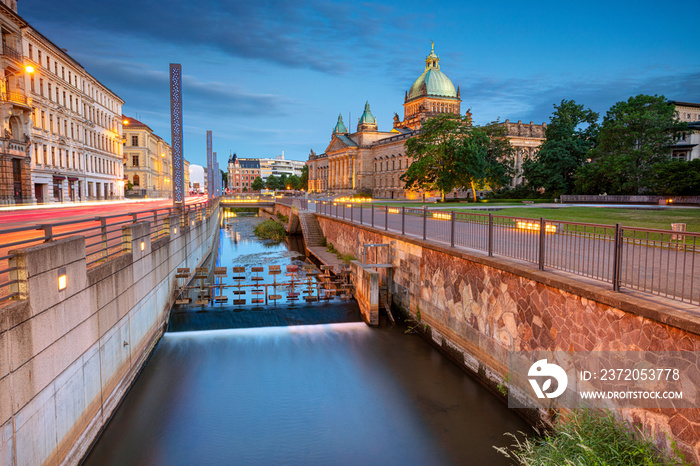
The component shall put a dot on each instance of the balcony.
(15, 97)
(8, 51)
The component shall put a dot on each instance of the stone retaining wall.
(68, 357)
(477, 308)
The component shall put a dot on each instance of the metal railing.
(11, 52)
(104, 237)
(660, 262)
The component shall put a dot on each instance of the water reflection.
(340, 393)
(323, 394)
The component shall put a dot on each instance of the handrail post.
(403, 220)
(386, 217)
(360, 213)
(134, 217)
(155, 224)
(425, 220)
(351, 212)
(452, 229)
(103, 228)
(490, 234)
(372, 209)
(48, 233)
(617, 257)
(543, 228)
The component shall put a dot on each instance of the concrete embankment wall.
(477, 308)
(68, 357)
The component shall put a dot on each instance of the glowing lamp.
(62, 279)
(29, 69)
(143, 245)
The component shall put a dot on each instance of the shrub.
(587, 437)
(282, 218)
(269, 229)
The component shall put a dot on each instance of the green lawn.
(659, 219)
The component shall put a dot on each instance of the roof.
(432, 82)
(340, 126)
(367, 116)
(249, 163)
(683, 104)
(134, 123)
(346, 140)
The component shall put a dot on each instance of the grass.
(347, 258)
(282, 218)
(461, 203)
(269, 229)
(588, 437)
(659, 219)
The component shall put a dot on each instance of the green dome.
(340, 126)
(367, 116)
(432, 82)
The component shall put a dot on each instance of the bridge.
(242, 200)
(82, 303)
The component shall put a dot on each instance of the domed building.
(372, 161)
(431, 94)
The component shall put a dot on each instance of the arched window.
(136, 180)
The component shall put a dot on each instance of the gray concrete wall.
(366, 283)
(68, 357)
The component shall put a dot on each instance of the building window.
(134, 140)
(136, 181)
(135, 160)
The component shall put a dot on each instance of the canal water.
(317, 388)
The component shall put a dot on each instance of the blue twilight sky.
(272, 76)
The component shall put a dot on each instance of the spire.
(340, 126)
(367, 116)
(367, 122)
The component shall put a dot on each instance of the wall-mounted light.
(175, 231)
(62, 279)
(143, 245)
(192, 222)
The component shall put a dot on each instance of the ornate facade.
(60, 138)
(148, 161)
(372, 161)
(242, 173)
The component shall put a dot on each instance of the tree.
(304, 180)
(258, 184)
(283, 181)
(676, 178)
(450, 153)
(294, 182)
(570, 135)
(273, 182)
(634, 136)
(486, 160)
